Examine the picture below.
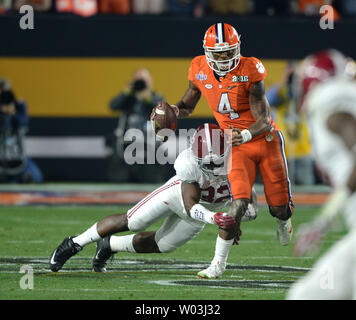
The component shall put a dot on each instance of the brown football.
(164, 117)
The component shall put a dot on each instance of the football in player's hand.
(163, 116)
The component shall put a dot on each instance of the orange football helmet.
(222, 48)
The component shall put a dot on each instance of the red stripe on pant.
(149, 197)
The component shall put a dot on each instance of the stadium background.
(68, 68)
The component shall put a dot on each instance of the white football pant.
(165, 202)
(334, 275)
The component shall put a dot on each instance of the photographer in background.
(15, 166)
(137, 100)
(135, 104)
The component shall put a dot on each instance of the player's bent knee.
(144, 242)
(135, 225)
(281, 212)
(238, 207)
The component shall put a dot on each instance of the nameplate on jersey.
(240, 79)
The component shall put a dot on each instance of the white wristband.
(200, 213)
(246, 135)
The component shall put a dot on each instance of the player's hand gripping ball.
(163, 116)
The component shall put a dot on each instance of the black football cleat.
(63, 252)
(103, 253)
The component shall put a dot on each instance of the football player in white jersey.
(328, 92)
(193, 197)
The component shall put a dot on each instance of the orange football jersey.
(228, 98)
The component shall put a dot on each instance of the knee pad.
(282, 212)
(136, 225)
(238, 207)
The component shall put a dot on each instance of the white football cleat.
(284, 231)
(213, 271)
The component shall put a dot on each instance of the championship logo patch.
(240, 79)
(201, 76)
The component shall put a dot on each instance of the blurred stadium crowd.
(136, 101)
(197, 8)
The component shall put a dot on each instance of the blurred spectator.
(224, 7)
(137, 100)
(5, 6)
(272, 7)
(187, 7)
(346, 8)
(84, 8)
(121, 7)
(294, 128)
(135, 104)
(312, 7)
(148, 6)
(37, 5)
(15, 166)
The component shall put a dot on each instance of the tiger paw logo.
(260, 67)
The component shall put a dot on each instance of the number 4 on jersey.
(225, 106)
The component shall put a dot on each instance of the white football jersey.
(215, 193)
(331, 154)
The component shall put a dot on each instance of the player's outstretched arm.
(191, 196)
(188, 102)
(260, 109)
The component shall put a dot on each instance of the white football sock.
(89, 236)
(122, 243)
(222, 249)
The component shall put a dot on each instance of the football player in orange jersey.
(233, 85)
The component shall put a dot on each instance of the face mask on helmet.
(224, 61)
(213, 167)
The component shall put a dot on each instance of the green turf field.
(259, 268)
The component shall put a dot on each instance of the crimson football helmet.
(210, 148)
(222, 48)
(320, 67)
